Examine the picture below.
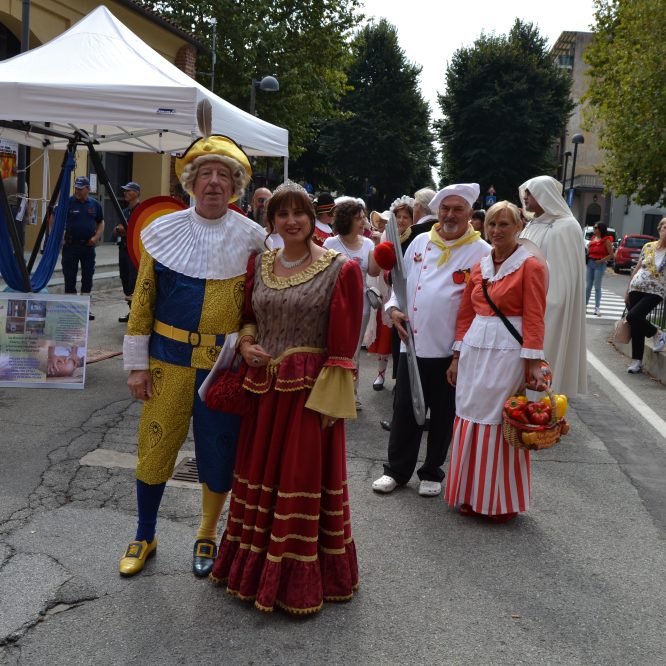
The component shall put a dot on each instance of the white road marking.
(632, 399)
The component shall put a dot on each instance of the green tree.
(383, 140)
(506, 103)
(303, 43)
(625, 100)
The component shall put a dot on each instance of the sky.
(430, 31)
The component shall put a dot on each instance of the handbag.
(226, 393)
(374, 297)
(622, 332)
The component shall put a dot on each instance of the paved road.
(577, 580)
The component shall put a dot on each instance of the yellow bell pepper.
(561, 404)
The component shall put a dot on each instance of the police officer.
(83, 231)
(131, 194)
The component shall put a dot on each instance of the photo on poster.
(43, 340)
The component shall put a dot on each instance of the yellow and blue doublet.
(189, 295)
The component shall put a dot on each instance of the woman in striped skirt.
(486, 475)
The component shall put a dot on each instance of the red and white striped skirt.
(485, 472)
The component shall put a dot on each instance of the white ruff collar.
(322, 226)
(190, 244)
(511, 265)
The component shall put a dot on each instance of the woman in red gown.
(288, 540)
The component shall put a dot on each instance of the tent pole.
(285, 169)
(49, 209)
(14, 237)
(101, 172)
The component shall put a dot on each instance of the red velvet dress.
(288, 539)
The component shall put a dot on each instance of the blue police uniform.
(128, 271)
(82, 220)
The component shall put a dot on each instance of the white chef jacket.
(434, 294)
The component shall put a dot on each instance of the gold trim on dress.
(301, 516)
(273, 281)
(332, 533)
(254, 528)
(298, 611)
(295, 537)
(291, 556)
(308, 495)
(333, 551)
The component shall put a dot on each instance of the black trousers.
(405, 437)
(72, 255)
(640, 306)
(127, 270)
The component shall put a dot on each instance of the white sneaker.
(597, 312)
(430, 488)
(385, 484)
(635, 367)
(659, 341)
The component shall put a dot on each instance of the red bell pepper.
(538, 413)
(515, 407)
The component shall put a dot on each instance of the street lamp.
(213, 22)
(575, 139)
(567, 155)
(267, 84)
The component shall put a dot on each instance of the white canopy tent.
(99, 79)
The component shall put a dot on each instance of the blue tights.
(148, 499)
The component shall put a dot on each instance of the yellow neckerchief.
(470, 236)
(405, 235)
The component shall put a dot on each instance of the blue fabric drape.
(46, 266)
(9, 266)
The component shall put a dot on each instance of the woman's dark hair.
(288, 198)
(345, 213)
(603, 229)
(479, 214)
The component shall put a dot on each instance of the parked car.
(628, 251)
(588, 231)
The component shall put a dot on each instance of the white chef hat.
(468, 191)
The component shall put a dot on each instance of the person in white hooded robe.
(556, 231)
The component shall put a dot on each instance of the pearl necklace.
(292, 264)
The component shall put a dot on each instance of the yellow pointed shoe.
(136, 555)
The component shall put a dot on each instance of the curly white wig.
(238, 173)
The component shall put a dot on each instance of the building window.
(593, 214)
(9, 45)
(650, 222)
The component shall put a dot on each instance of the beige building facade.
(586, 196)
(50, 18)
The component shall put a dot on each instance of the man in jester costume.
(189, 296)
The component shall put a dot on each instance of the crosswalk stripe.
(612, 306)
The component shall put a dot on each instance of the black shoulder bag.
(498, 312)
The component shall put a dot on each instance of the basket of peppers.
(534, 425)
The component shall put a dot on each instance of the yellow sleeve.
(142, 312)
(333, 393)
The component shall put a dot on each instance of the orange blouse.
(518, 294)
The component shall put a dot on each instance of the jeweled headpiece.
(291, 186)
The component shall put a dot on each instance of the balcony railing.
(588, 181)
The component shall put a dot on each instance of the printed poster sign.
(43, 340)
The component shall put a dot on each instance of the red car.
(629, 250)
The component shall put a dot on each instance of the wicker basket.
(535, 437)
